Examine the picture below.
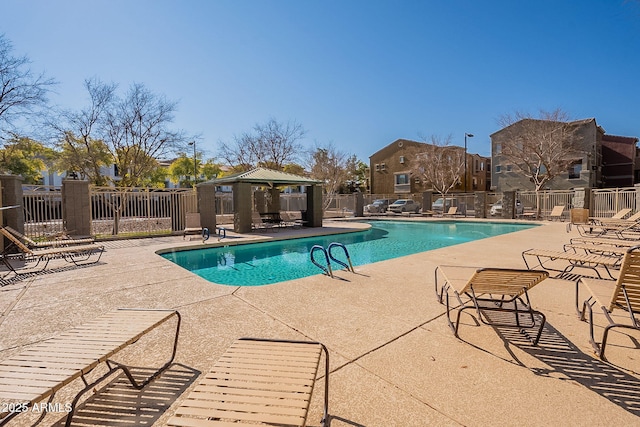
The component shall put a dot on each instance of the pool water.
(256, 264)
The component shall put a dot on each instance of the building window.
(509, 168)
(574, 169)
(497, 148)
(498, 168)
(402, 178)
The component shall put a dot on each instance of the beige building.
(390, 171)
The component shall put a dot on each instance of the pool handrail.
(349, 267)
(327, 270)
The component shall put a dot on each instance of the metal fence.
(43, 209)
(140, 211)
(144, 211)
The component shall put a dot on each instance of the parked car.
(496, 208)
(377, 206)
(404, 205)
(439, 205)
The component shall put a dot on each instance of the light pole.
(469, 135)
(195, 164)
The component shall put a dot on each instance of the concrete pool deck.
(393, 358)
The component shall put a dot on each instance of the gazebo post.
(242, 207)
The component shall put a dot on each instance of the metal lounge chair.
(621, 228)
(193, 226)
(44, 368)
(258, 224)
(257, 382)
(492, 290)
(573, 259)
(76, 254)
(617, 216)
(453, 210)
(557, 213)
(624, 295)
(47, 243)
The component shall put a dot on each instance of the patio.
(394, 360)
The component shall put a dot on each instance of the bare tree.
(333, 167)
(272, 145)
(437, 163)
(540, 148)
(137, 132)
(21, 92)
(83, 151)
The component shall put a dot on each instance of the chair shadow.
(10, 278)
(567, 361)
(118, 403)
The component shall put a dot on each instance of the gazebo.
(242, 184)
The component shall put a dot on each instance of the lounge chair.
(257, 382)
(625, 228)
(557, 213)
(193, 226)
(573, 259)
(288, 221)
(453, 210)
(76, 254)
(622, 295)
(613, 241)
(47, 243)
(28, 378)
(258, 224)
(617, 216)
(493, 290)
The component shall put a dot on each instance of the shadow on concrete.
(119, 404)
(566, 361)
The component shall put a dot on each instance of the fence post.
(76, 207)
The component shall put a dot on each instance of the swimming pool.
(256, 264)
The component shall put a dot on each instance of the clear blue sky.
(355, 73)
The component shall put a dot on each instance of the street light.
(195, 164)
(470, 135)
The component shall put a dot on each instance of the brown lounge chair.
(193, 226)
(259, 382)
(44, 368)
(623, 295)
(573, 259)
(48, 243)
(557, 213)
(492, 289)
(76, 254)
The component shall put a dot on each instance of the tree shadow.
(120, 404)
(567, 362)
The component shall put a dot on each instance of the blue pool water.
(257, 264)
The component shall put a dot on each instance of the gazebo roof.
(263, 176)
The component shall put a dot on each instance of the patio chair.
(453, 210)
(76, 254)
(624, 295)
(48, 243)
(28, 378)
(617, 216)
(493, 290)
(257, 223)
(557, 213)
(257, 382)
(193, 226)
(622, 228)
(573, 259)
(287, 220)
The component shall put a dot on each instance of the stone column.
(273, 202)
(242, 207)
(12, 196)
(76, 207)
(314, 206)
(509, 204)
(207, 205)
(359, 203)
(480, 204)
(427, 200)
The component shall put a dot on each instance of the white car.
(404, 205)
